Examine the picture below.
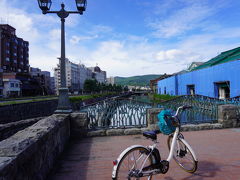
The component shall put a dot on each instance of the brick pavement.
(218, 153)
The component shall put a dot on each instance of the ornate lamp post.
(45, 5)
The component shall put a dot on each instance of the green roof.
(227, 56)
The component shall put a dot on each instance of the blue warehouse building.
(219, 78)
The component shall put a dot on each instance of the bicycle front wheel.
(132, 162)
(183, 155)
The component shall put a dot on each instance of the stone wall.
(31, 153)
(7, 130)
(17, 112)
(152, 120)
(228, 116)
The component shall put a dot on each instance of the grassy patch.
(161, 97)
(25, 101)
(73, 99)
(77, 99)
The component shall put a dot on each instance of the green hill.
(143, 80)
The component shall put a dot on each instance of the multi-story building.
(99, 75)
(14, 61)
(52, 85)
(1, 82)
(57, 77)
(70, 69)
(12, 88)
(85, 73)
(76, 74)
(14, 51)
(111, 80)
(43, 79)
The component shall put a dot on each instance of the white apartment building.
(1, 82)
(76, 74)
(111, 80)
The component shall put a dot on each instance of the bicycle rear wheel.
(131, 162)
(183, 155)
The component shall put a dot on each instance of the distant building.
(47, 82)
(85, 73)
(111, 80)
(98, 74)
(76, 74)
(52, 85)
(153, 83)
(43, 79)
(14, 51)
(12, 88)
(1, 82)
(218, 78)
(57, 78)
(72, 76)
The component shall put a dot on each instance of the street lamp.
(45, 5)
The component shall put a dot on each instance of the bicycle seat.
(150, 134)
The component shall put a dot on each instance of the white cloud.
(23, 23)
(193, 15)
(76, 39)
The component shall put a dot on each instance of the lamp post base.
(64, 106)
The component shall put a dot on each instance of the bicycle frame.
(175, 136)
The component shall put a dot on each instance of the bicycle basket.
(165, 124)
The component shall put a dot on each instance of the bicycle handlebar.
(183, 108)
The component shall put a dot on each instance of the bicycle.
(138, 161)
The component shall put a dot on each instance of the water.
(117, 113)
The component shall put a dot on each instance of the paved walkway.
(218, 152)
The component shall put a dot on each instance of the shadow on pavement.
(206, 169)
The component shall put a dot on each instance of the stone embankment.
(32, 152)
(7, 130)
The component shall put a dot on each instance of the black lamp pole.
(63, 99)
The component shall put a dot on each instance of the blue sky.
(128, 37)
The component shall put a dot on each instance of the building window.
(191, 89)
(16, 85)
(222, 89)
(11, 85)
(7, 59)
(7, 51)
(165, 90)
(7, 44)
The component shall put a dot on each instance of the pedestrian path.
(218, 152)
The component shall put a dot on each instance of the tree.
(90, 85)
